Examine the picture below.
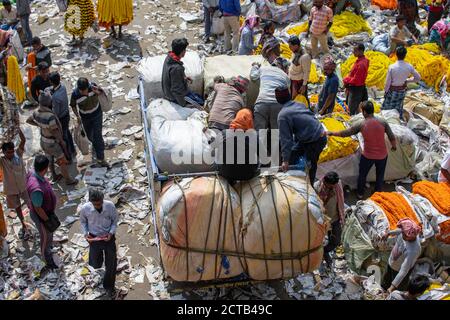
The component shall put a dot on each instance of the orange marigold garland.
(395, 207)
(439, 196)
(437, 193)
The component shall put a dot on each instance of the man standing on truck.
(174, 80)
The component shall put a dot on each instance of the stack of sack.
(179, 142)
(150, 69)
(370, 219)
(270, 227)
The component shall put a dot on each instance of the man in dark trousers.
(301, 133)
(98, 219)
(41, 81)
(355, 82)
(86, 106)
(375, 151)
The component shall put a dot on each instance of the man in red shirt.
(355, 82)
(375, 151)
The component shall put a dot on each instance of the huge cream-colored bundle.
(272, 237)
(196, 216)
(232, 66)
(278, 227)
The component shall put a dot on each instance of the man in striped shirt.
(320, 21)
(86, 106)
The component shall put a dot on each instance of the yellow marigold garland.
(337, 147)
(348, 23)
(14, 79)
(87, 17)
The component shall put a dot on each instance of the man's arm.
(416, 76)
(390, 135)
(348, 80)
(21, 148)
(330, 99)
(31, 121)
(255, 72)
(404, 269)
(446, 174)
(114, 219)
(84, 223)
(34, 90)
(348, 132)
(387, 85)
(37, 198)
(286, 138)
(73, 105)
(237, 4)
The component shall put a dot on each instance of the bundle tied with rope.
(263, 228)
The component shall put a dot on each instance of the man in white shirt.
(398, 76)
(400, 34)
(98, 220)
(444, 174)
(404, 255)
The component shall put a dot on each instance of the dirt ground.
(163, 15)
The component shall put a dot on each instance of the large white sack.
(212, 226)
(275, 224)
(150, 69)
(232, 66)
(179, 143)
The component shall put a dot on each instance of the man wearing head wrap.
(270, 77)
(242, 141)
(52, 139)
(301, 133)
(404, 255)
(327, 96)
(227, 102)
(247, 42)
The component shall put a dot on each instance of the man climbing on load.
(227, 102)
(271, 77)
(301, 133)
(403, 256)
(174, 80)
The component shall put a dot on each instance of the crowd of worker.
(282, 84)
(48, 95)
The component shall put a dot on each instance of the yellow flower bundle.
(301, 99)
(298, 29)
(114, 12)
(378, 67)
(14, 79)
(437, 193)
(395, 207)
(337, 147)
(349, 23)
(282, 2)
(79, 17)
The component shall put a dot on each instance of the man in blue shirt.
(231, 10)
(301, 133)
(327, 96)
(98, 220)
